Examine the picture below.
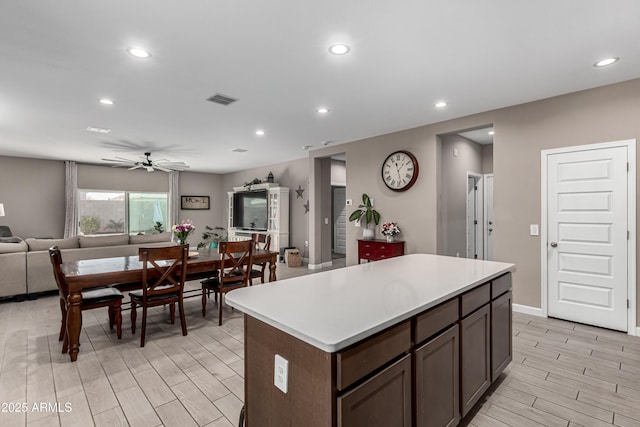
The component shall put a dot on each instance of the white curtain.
(71, 199)
(174, 198)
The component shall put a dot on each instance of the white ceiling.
(57, 58)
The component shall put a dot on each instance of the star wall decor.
(299, 192)
(306, 207)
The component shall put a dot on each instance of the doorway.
(588, 240)
(475, 216)
(489, 220)
(339, 222)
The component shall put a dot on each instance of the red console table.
(374, 250)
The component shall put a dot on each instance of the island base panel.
(308, 401)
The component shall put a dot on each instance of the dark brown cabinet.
(437, 380)
(374, 250)
(501, 334)
(475, 354)
(383, 400)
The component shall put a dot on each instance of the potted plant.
(211, 236)
(365, 210)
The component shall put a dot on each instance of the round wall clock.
(400, 170)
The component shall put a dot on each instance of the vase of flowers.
(390, 229)
(183, 230)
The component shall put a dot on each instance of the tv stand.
(278, 215)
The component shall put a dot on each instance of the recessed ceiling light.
(325, 143)
(139, 52)
(322, 110)
(339, 49)
(440, 104)
(491, 132)
(306, 147)
(606, 61)
(259, 132)
(106, 101)
(97, 129)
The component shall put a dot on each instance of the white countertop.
(334, 309)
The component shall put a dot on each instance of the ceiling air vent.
(239, 150)
(221, 99)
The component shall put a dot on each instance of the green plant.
(211, 234)
(116, 226)
(365, 209)
(89, 224)
(158, 227)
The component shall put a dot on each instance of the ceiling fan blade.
(149, 168)
(160, 168)
(168, 163)
(118, 160)
(135, 167)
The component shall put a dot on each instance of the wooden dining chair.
(164, 272)
(236, 259)
(91, 298)
(258, 269)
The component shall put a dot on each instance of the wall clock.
(400, 170)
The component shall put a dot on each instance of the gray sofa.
(26, 268)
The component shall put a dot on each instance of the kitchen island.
(418, 337)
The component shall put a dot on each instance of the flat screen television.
(250, 210)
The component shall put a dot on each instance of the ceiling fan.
(150, 165)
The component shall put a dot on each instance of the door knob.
(553, 244)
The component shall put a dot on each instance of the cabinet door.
(501, 347)
(437, 380)
(382, 401)
(475, 347)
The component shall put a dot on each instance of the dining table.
(127, 270)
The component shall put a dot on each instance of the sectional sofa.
(25, 267)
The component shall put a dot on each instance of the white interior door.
(339, 220)
(489, 221)
(475, 240)
(587, 225)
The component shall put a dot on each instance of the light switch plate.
(281, 373)
(357, 223)
(349, 202)
(534, 230)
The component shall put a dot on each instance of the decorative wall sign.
(194, 202)
(299, 192)
(306, 207)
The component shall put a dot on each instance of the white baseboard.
(320, 266)
(525, 309)
(534, 311)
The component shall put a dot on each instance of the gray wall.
(32, 191)
(33, 195)
(203, 184)
(608, 113)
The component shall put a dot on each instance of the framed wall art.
(194, 202)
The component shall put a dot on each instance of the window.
(114, 212)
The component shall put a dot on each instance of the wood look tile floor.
(562, 374)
